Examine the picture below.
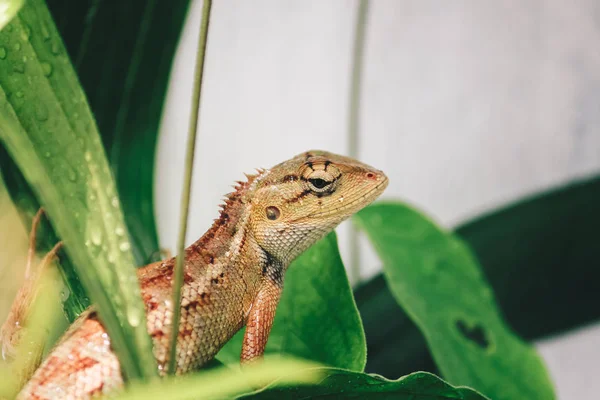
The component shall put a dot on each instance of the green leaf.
(48, 129)
(550, 242)
(224, 382)
(316, 318)
(114, 46)
(8, 10)
(437, 281)
(341, 384)
(123, 53)
(76, 300)
(533, 240)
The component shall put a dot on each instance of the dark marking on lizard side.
(272, 268)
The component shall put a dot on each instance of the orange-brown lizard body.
(233, 275)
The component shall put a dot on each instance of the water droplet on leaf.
(55, 48)
(41, 112)
(133, 316)
(96, 236)
(124, 246)
(64, 294)
(19, 67)
(2, 52)
(46, 68)
(17, 46)
(26, 32)
(72, 175)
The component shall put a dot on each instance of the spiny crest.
(240, 188)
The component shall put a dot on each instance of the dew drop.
(112, 258)
(45, 31)
(47, 154)
(55, 48)
(115, 202)
(96, 237)
(19, 94)
(41, 112)
(64, 294)
(119, 231)
(26, 32)
(133, 316)
(19, 67)
(124, 246)
(72, 175)
(88, 156)
(2, 52)
(46, 68)
(17, 46)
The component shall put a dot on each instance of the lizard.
(233, 275)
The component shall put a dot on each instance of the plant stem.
(353, 122)
(185, 196)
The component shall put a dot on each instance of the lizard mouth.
(363, 200)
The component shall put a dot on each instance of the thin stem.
(185, 196)
(353, 121)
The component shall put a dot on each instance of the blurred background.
(466, 105)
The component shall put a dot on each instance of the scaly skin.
(233, 274)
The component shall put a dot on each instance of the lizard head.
(299, 201)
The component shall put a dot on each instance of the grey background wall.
(466, 105)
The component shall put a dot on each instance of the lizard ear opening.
(272, 213)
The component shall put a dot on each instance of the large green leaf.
(540, 257)
(223, 382)
(341, 384)
(75, 300)
(48, 129)
(125, 80)
(123, 53)
(316, 318)
(438, 282)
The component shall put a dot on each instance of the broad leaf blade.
(123, 53)
(75, 299)
(316, 318)
(550, 242)
(341, 384)
(48, 129)
(435, 278)
(223, 382)
(534, 240)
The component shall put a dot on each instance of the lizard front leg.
(260, 319)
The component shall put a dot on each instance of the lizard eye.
(272, 213)
(319, 184)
